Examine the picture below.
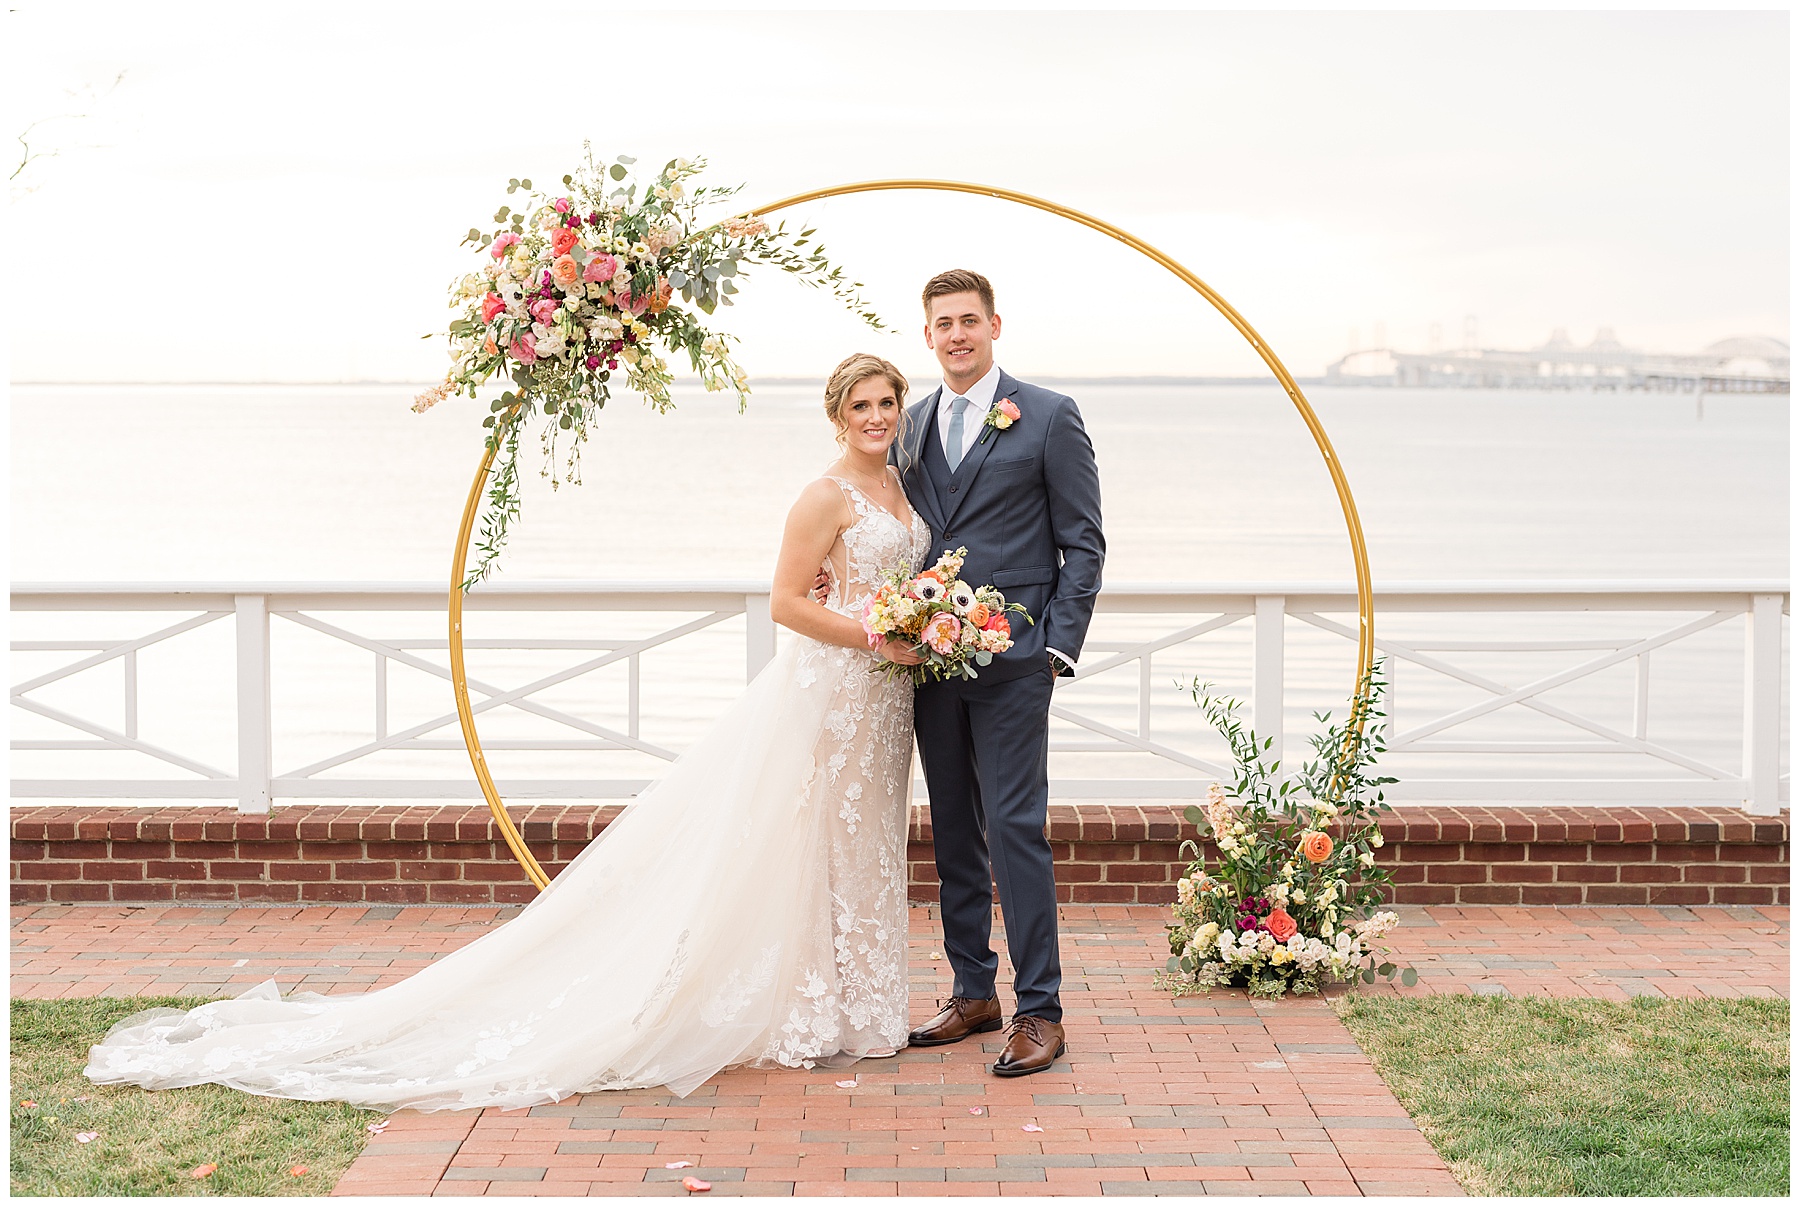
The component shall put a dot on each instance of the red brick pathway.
(1213, 1094)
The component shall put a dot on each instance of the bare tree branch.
(88, 97)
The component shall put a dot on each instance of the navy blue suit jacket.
(1026, 503)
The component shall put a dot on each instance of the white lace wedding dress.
(750, 908)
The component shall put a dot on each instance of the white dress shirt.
(981, 401)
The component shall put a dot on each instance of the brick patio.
(1213, 1094)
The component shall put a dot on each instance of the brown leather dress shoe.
(960, 1018)
(1032, 1045)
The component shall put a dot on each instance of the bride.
(749, 908)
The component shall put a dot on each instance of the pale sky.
(276, 191)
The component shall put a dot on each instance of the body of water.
(1201, 485)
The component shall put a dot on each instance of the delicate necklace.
(881, 490)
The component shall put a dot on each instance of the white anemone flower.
(961, 597)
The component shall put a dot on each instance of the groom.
(1006, 469)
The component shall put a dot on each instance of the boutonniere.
(1000, 416)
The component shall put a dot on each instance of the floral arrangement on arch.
(1294, 899)
(577, 294)
(955, 626)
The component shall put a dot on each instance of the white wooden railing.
(1124, 701)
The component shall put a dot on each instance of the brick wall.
(1105, 853)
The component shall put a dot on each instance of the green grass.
(150, 1141)
(1556, 1096)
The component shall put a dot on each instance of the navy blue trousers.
(986, 751)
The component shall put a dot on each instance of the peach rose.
(659, 301)
(561, 240)
(1316, 846)
(978, 614)
(1281, 924)
(524, 349)
(565, 272)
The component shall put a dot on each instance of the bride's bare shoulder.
(821, 501)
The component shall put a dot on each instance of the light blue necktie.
(953, 443)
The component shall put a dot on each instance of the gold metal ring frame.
(1365, 596)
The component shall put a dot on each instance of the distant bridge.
(1752, 365)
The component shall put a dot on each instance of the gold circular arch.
(1365, 595)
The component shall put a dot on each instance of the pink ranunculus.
(562, 205)
(542, 309)
(601, 268)
(1008, 408)
(502, 243)
(561, 240)
(941, 632)
(524, 349)
(998, 623)
(491, 305)
(565, 272)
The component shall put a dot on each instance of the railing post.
(1266, 667)
(254, 728)
(759, 635)
(1762, 704)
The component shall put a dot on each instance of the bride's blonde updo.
(858, 368)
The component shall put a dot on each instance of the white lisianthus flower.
(1206, 938)
(1228, 844)
(1367, 859)
(1299, 896)
(1376, 840)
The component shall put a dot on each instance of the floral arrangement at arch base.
(1294, 901)
(576, 294)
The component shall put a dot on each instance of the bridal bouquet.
(1292, 901)
(956, 627)
(576, 294)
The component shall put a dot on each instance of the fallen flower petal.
(86, 1137)
(1031, 1127)
(695, 1184)
(846, 1085)
(298, 1170)
(203, 1171)
(28, 1103)
(375, 1129)
(679, 1165)
(83, 1098)
(974, 1110)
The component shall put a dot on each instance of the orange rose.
(1316, 846)
(565, 272)
(977, 615)
(1281, 924)
(561, 240)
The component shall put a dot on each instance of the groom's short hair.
(959, 280)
